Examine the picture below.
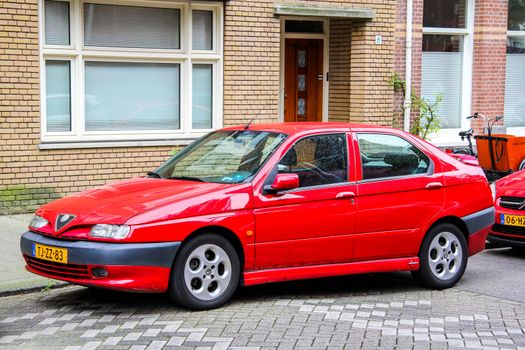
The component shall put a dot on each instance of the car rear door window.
(317, 160)
(385, 155)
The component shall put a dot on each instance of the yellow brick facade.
(30, 176)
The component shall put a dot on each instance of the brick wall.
(30, 176)
(488, 74)
(371, 66)
(340, 52)
(251, 62)
(399, 57)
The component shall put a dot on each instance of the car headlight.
(109, 231)
(38, 222)
(493, 189)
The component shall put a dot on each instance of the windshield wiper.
(189, 178)
(154, 174)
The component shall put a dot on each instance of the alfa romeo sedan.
(266, 203)
(509, 229)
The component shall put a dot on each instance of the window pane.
(317, 160)
(441, 74)
(58, 96)
(129, 26)
(444, 13)
(291, 26)
(202, 29)
(389, 155)
(202, 96)
(132, 96)
(57, 22)
(516, 15)
(514, 89)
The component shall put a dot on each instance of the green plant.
(427, 121)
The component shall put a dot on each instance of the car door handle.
(433, 185)
(345, 195)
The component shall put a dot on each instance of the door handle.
(345, 195)
(433, 185)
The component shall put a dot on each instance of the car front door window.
(317, 160)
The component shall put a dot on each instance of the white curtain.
(130, 26)
(441, 74)
(515, 91)
(132, 96)
(56, 22)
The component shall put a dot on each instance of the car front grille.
(511, 230)
(516, 203)
(57, 269)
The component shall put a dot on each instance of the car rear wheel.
(522, 165)
(443, 257)
(205, 273)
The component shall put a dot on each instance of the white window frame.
(517, 130)
(77, 54)
(449, 136)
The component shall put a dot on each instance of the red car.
(509, 229)
(265, 203)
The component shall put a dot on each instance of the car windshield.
(222, 156)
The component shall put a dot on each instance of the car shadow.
(329, 287)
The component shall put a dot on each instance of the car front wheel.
(205, 273)
(443, 257)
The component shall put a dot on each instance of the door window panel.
(384, 156)
(317, 160)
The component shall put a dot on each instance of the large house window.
(143, 70)
(515, 74)
(446, 59)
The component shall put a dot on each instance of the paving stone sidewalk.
(356, 312)
(13, 276)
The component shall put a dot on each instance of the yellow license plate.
(512, 220)
(50, 253)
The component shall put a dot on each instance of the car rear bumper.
(478, 226)
(129, 266)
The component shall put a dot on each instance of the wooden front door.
(303, 80)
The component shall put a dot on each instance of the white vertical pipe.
(408, 67)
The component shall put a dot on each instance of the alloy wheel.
(207, 272)
(445, 256)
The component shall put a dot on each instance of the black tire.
(427, 274)
(178, 288)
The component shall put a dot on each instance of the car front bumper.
(130, 266)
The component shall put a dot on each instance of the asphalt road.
(496, 272)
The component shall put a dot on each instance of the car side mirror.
(283, 182)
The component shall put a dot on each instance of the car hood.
(144, 200)
(512, 185)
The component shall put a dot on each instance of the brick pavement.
(356, 312)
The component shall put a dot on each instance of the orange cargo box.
(509, 152)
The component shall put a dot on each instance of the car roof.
(299, 127)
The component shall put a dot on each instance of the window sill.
(113, 144)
